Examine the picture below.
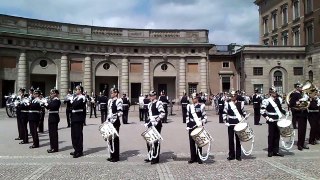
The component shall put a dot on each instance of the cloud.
(228, 21)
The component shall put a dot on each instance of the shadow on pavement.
(126, 154)
(66, 148)
(166, 156)
(94, 150)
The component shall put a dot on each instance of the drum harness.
(198, 122)
(152, 149)
(236, 112)
(276, 108)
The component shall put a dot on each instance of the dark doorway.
(7, 89)
(225, 84)
(103, 87)
(162, 87)
(135, 92)
(40, 85)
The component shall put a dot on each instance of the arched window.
(277, 81)
(311, 76)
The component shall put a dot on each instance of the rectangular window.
(275, 41)
(257, 71)
(298, 71)
(284, 14)
(296, 9)
(274, 21)
(309, 35)
(296, 37)
(193, 68)
(259, 87)
(265, 25)
(76, 66)
(136, 68)
(285, 38)
(225, 64)
(7, 62)
(192, 88)
(309, 6)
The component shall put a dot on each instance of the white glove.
(198, 123)
(227, 124)
(46, 104)
(288, 113)
(271, 120)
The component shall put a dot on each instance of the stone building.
(48, 54)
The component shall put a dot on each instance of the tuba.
(308, 89)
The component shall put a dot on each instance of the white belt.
(77, 110)
(313, 110)
(25, 111)
(233, 117)
(145, 104)
(103, 103)
(184, 103)
(50, 112)
(220, 104)
(125, 104)
(164, 103)
(34, 111)
(269, 113)
(255, 102)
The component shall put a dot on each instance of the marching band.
(303, 103)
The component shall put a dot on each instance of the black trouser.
(41, 125)
(68, 114)
(318, 128)
(165, 107)
(20, 126)
(141, 114)
(93, 108)
(232, 152)
(103, 115)
(33, 125)
(156, 160)
(146, 115)
(313, 121)
(53, 135)
(77, 137)
(301, 117)
(294, 119)
(220, 116)
(116, 149)
(273, 137)
(256, 116)
(184, 114)
(24, 119)
(193, 150)
(125, 116)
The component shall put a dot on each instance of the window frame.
(298, 71)
(257, 71)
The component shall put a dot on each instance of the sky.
(228, 21)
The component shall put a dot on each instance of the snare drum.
(284, 128)
(108, 131)
(151, 135)
(201, 136)
(244, 132)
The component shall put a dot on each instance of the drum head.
(240, 126)
(196, 131)
(284, 123)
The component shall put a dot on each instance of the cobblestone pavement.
(19, 162)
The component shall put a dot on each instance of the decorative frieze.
(165, 34)
(46, 26)
(106, 32)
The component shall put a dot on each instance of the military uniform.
(195, 111)
(256, 99)
(77, 121)
(34, 118)
(125, 108)
(114, 113)
(313, 117)
(156, 114)
(68, 108)
(53, 120)
(93, 106)
(165, 102)
(146, 102)
(103, 100)
(233, 112)
(184, 102)
(19, 119)
(141, 105)
(24, 110)
(271, 109)
(221, 107)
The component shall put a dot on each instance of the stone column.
(64, 77)
(22, 72)
(146, 76)
(182, 76)
(203, 75)
(125, 76)
(87, 77)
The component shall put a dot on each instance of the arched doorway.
(310, 76)
(278, 81)
(165, 79)
(43, 75)
(106, 76)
